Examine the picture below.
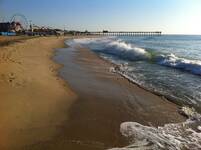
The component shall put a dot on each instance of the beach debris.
(190, 113)
(112, 69)
(115, 69)
(120, 69)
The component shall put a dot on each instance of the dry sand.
(34, 101)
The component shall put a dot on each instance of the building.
(10, 27)
(5, 26)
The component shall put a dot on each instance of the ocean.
(169, 65)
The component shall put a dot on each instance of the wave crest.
(126, 50)
(170, 60)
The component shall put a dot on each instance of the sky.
(168, 16)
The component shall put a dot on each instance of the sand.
(8, 40)
(39, 111)
(34, 101)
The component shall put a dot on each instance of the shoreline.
(57, 97)
(102, 93)
(120, 71)
(126, 77)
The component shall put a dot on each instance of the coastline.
(76, 104)
(105, 100)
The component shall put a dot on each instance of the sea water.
(169, 65)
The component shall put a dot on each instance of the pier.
(126, 33)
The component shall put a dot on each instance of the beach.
(76, 105)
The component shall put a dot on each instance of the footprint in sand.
(11, 77)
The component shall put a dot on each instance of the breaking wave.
(114, 47)
(178, 136)
(170, 60)
(121, 49)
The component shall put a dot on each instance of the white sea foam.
(126, 50)
(193, 66)
(176, 136)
